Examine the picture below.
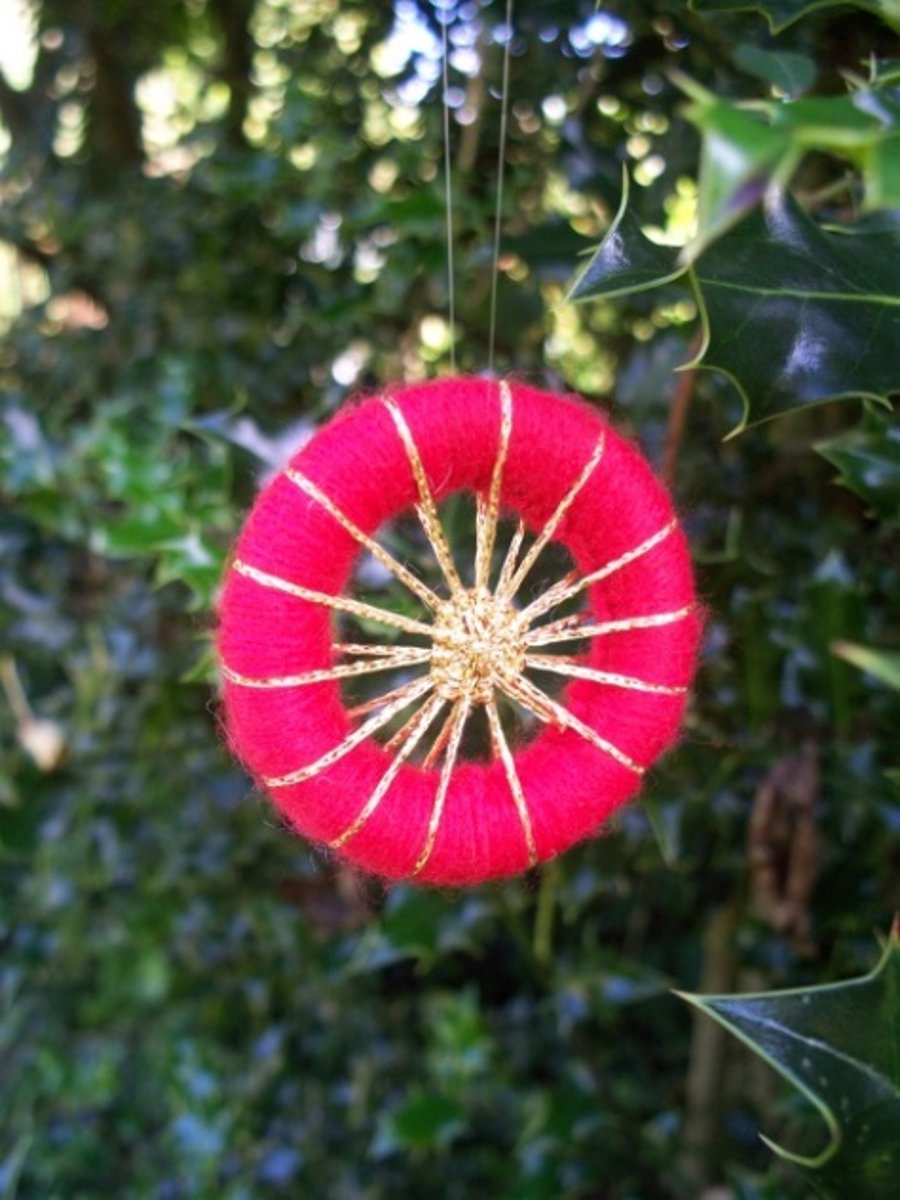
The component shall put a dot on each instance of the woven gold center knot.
(478, 642)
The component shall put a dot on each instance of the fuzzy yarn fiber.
(569, 785)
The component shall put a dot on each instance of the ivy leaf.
(796, 314)
(868, 458)
(782, 13)
(840, 1045)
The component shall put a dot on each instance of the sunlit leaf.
(839, 1045)
(748, 150)
(883, 664)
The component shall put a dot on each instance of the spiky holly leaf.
(748, 149)
(782, 13)
(793, 313)
(868, 458)
(786, 70)
(626, 261)
(796, 314)
(840, 1045)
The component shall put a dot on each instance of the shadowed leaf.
(840, 1045)
(782, 13)
(868, 458)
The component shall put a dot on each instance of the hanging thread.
(501, 172)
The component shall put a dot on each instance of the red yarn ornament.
(561, 468)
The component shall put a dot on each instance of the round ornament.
(619, 631)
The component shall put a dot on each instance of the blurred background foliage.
(219, 218)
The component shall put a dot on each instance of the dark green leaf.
(868, 458)
(427, 1120)
(795, 314)
(791, 73)
(781, 13)
(745, 151)
(626, 260)
(840, 1045)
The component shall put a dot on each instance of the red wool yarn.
(628, 654)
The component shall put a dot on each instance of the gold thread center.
(479, 641)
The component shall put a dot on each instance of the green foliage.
(838, 1045)
(772, 295)
(868, 458)
(193, 1003)
(782, 13)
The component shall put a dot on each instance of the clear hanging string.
(501, 170)
(448, 183)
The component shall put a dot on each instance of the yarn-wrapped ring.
(562, 469)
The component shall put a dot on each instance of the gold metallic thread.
(414, 584)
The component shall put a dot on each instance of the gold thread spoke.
(402, 733)
(498, 738)
(571, 629)
(400, 654)
(509, 563)
(488, 512)
(563, 666)
(325, 675)
(387, 560)
(530, 696)
(553, 523)
(404, 697)
(345, 604)
(414, 735)
(442, 738)
(456, 723)
(426, 509)
(562, 591)
(367, 706)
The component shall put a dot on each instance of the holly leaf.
(840, 1046)
(786, 70)
(796, 314)
(626, 261)
(782, 13)
(868, 459)
(792, 313)
(747, 151)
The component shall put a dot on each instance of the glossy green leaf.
(782, 13)
(868, 458)
(740, 155)
(840, 1045)
(786, 70)
(626, 260)
(793, 313)
(746, 151)
(883, 664)
(796, 314)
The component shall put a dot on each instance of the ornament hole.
(372, 582)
